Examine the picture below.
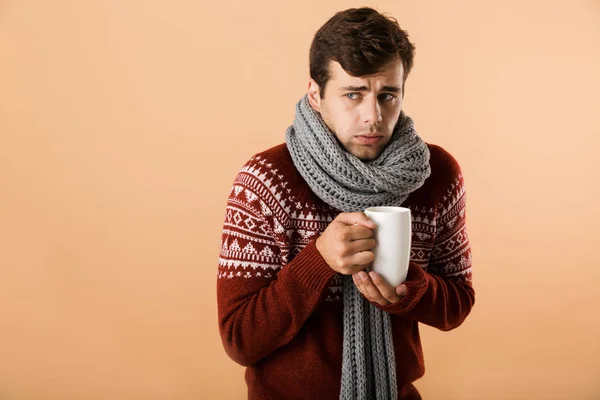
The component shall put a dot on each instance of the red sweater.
(279, 303)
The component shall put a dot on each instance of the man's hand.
(347, 243)
(376, 289)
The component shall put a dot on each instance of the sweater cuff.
(310, 269)
(416, 285)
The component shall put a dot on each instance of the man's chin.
(364, 153)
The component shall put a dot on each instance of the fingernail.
(372, 275)
(362, 275)
(401, 290)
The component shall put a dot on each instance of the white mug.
(393, 235)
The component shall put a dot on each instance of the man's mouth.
(369, 138)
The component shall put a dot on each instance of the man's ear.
(314, 96)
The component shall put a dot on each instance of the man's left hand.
(376, 289)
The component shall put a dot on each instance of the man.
(297, 304)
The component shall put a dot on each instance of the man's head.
(359, 61)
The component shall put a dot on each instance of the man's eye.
(352, 96)
(387, 96)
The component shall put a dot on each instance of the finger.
(361, 259)
(357, 232)
(349, 233)
(401, 290)
(359, 285)
(353, 218)
(387, 291)
(356, 246)
(372, 291)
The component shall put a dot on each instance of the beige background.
(123, 124)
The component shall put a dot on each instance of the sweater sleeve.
(443, 295)
(263, 301)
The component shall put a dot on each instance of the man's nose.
(371, 111)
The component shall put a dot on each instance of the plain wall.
(124, 123)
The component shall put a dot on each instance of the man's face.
(361, 111)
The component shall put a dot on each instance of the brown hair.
(362, 40)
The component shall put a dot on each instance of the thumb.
(357, 218)
(401, 290)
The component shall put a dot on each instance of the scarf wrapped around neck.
(345, 182)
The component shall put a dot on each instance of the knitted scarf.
(345, 182)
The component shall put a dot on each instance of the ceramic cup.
(393, 235)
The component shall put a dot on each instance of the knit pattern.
(349, 184)
(379, 340)
(344, 181)
(273, 293)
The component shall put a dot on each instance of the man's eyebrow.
(355, 88)
(393, 89)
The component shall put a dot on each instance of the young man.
(296, 306)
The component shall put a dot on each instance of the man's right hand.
(347, 243)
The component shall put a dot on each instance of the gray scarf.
(345, 182)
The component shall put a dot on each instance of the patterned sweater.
(279, 303)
